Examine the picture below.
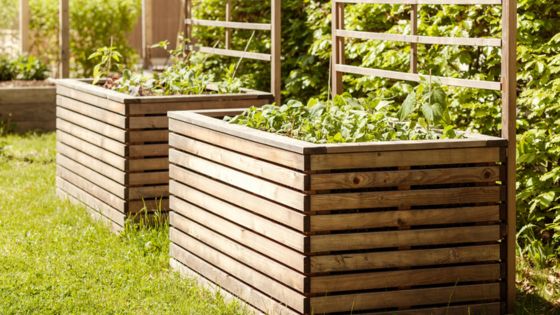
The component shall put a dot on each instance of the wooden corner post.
(276, 53)
(337, 46)
(64, 37)
(509, 118)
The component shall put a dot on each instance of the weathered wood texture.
(113, 149)
(28, 108)
(388, 228)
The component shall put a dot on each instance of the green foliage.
(344, 119)
(22, 68)
(108, 61)
(8, 14)
(93, 24)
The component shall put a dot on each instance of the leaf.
(407, 106)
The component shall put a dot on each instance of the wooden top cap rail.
(442, 2)
(231, 53)
(232, 25)
(465, 41)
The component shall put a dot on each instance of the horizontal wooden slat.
(465, 41)
(263, 169)
(148, 136)
(98, 166)
(201, 270)
(90, 202)
(241, 235)
(92, 188)
(106, 183)
(148, 122)
(232, 25)
(408, 258)
(202, 102)
(92, 137)
(376, 240)
(258, 150)
(404, 158)
(240, 216)
(414, 77)
(116, 161)
(423, 197)
(232, 53)
(442, 2)
(148, 164)
(413, 277)
(266, 189)
(146, 192)
(468, 309)
(91, 111)
(96, 100)
(259, 281)
(97, 126)
(148, 178)
(237, 251)
(356, 180)
(274, 211)
(148, 150)
(406, 298)
(388, 219)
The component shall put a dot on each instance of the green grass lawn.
(54, 259)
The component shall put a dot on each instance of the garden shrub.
(22, 68)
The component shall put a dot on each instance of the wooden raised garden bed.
(297, 228)
(28, 108)
(112, 148)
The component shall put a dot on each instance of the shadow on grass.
(529, 303)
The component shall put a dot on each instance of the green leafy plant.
(6, 68)
(22, 68)
(108, 61)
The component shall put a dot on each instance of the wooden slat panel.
(148, 122)
(355, 180)
(240, 162)
(139, 193)
(424, 197)
(90, 111)
(92, 150)
(442, 2)
(233, 25)
(232, 53)
(92, 189)
(268, 209)
(239, 234)
(92, 163)
(408, 258)
(388, 219)
(258, 150)
(237, 251)
(266, 189)
(106, 183)
(148, 164)
(148, 136)
(107, 130)
(199, 102)
(415, 77)
(406, 298)
(470, 309)
(97, 101)
(404, 158)
(260, 281)
(493, 42)
(241, 217)
(227, 282)
(148, 178)
(412, 277)
(147, 150)
(90, 202)
(92, 137)
(375, 240)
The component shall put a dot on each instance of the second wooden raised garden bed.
(112, 148)
(298, 228)
(28, 108)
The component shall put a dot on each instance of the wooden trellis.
(274, 27)
(507, 86)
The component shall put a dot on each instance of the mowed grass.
(54, 259)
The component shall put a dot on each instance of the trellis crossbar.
(507, 86)
(274, 57)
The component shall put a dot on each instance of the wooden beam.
(509, 117)
(337, 47)
(24, 17)
(416, 39)
(231, 53)
(446, 2)
(229, 24)
(147, 31)
(228, 19)
(276, 51)
(64, 37)
(414, 32)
